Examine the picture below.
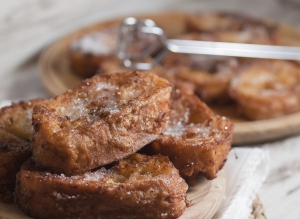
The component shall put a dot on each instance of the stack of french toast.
(260, 89)
(119, 145)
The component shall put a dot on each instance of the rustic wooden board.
(58, 77)
(205, 197)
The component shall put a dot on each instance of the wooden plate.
(205, 198)
(58, 77)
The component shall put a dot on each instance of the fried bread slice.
(104, 119)
(87, 53)
(138, 186)
(15, 146)
(233, 27)
(196, 140)
(14, 151)
(209, 76)
(267, 89)
(17, 118)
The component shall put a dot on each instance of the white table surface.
(27, 26)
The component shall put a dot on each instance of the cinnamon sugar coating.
(136, 186)
(105, 119)
(196, 140)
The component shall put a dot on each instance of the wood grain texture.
(205, 198)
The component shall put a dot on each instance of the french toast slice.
(17, 118)
(170, 74)
(87, 53)
(138, 186)
(267, 89)
(196, 140)
(15, 146)
(233, 27)
(14, 151)
(209, 76)
(104, 119)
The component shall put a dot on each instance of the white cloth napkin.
(246, 169)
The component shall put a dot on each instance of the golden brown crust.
(15, 146)
(170, 74)
(196, 140)
(266, 89)
(17, 118)
(13, 152)
(138, 185)
(100, 121)
(209, 76)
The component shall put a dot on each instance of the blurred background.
(28, 26)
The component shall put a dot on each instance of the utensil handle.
(233, 49)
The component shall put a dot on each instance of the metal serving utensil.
(131, 26)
